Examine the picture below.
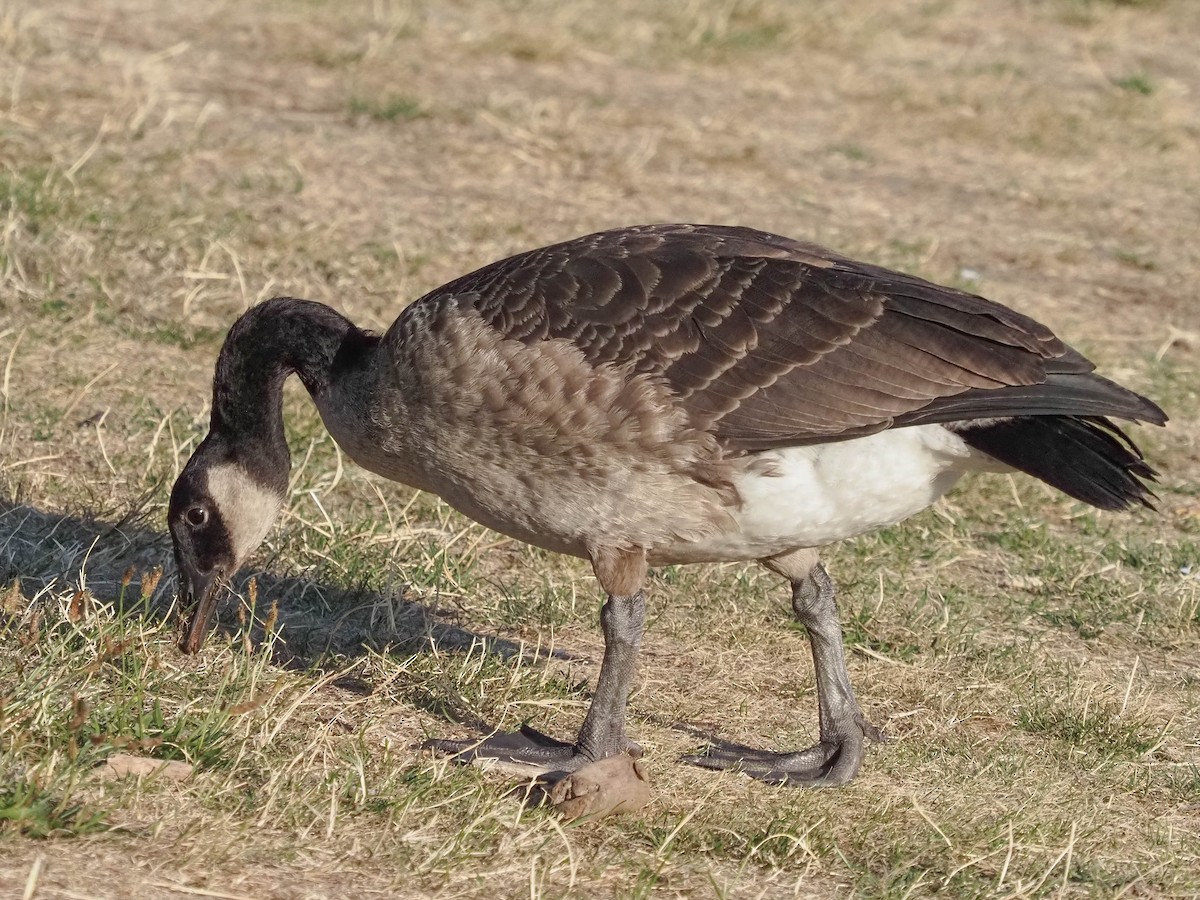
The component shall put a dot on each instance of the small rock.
(616, 784)
(120, 765)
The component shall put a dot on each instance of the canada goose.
(656, 395)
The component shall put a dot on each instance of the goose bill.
(200, 595)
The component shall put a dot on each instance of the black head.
(220, 511)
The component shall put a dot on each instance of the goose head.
(222, 506)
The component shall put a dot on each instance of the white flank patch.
(247, 509)
(825, 493)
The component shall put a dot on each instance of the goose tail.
(1087, 457)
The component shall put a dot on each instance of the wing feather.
(771, 342)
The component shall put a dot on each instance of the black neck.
(267, 344)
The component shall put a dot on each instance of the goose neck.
(271, 341)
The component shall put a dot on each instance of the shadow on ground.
(52, 553)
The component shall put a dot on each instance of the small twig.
(932, 824)
(31, 882)
(83, 392)
(1129, 685)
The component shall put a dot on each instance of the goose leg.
(622, 620)
(836, 757)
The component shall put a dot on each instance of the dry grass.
(164, 165)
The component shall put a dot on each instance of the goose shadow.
(51, 552)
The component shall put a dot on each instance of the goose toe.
(825, 764)
(528, 751)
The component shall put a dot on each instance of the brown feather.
(770, 342)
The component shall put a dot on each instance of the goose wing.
(770, 342)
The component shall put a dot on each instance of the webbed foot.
(826, 763)
(528, 751)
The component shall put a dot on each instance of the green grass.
(29, 809)
(392, 108)
(1098, 729)
(1139, 83)
(36, 194)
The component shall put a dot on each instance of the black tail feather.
(1087, 457)
(1061, 394)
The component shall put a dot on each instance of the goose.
(661, 395)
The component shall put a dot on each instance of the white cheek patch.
(247, 509)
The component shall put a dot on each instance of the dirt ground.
(164, 165)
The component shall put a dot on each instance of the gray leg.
(836, 757)
(622, 620)
(603, 733)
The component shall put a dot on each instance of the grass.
(1030, 660)
(392, 108)
(1139, 83)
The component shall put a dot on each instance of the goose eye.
(197, 516)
